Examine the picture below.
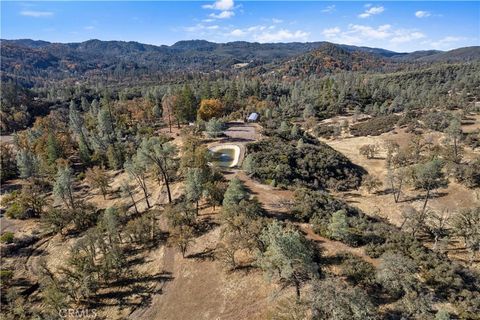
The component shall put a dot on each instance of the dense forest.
(102, 130)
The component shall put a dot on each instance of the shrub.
(437, 121)
(375, 126)
(214, 128)
(326, 130)
(15, 211)
(357, 270)
(7, 237)
(314, 165)
(368, 150)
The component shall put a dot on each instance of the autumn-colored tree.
(210, 108)
(97, 177)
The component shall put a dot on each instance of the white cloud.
(222, 5)
(268, 33)
(371, 11)
(357, 34)
(381, 32)
(274, 20)
(199, 27)
(225, 6)
(422, 14)
(222, 15)
(238, 33)
(89, 27)
(36, 14)
(402, 36)
(329, 9)
(446, 43)
(331, 32)
(256, 29)
(281, 35)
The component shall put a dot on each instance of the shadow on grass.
(207, 254)
(132, 290)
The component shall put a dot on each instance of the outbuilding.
(253, 117)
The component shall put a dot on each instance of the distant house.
(253, 117)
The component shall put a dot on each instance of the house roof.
(253, 116)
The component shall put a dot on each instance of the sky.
(394, 25)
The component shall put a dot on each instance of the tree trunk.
(152, 224)
(397, 198)
(169, 121)
(426, 200)
(394, 192)
(134, 203)
(167, 184)
(146, 196)
(455, 148)
(297, 289)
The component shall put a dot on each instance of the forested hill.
(32, 62)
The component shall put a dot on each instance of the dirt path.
(202, 289)
(167, 267)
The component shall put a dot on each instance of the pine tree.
(63, 186)
(27, 164)
(194, 185)
(214, 128)
(157, 112)
(54, 149)
(235, 193)
(338, 227)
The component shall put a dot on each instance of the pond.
(224, 157)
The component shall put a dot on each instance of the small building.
(253, 117)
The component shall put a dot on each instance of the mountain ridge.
(36, 60)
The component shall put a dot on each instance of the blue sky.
(395, 25)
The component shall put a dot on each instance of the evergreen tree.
(214, 127)
(157, 112)
(287, 256)
(338, 227)
(54, 149)
(63, 186)
(27, 163)
(194, 185)
(235, 193)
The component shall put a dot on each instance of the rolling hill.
(31, 60)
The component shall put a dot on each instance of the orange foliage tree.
(210, 108)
